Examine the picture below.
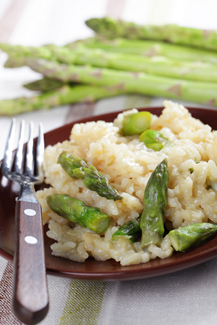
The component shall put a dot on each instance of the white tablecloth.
(186, 297)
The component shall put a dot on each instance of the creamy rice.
(128, 164)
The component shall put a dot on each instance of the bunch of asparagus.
(95, 68)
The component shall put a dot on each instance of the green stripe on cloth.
(84, 303)
(137, 101)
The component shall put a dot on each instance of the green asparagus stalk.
(128, 82)
(157, 65)
(130, 230)
(192, 235)
(17, 53)
(76, 211)
(68, 162)
(92, 179)
(155, 201)
(113, 28)
(62, 96)
(147, 48)
(44, 85)
(13, 62)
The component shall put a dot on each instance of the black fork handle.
(30, 296)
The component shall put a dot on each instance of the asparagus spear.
(154, 139)
(130, 229)
(68, 162)
(128, 82)
(113, 28)
(76, 211)
(44, 85)
(155, 201)
(136, 123)
(92, 179)
(147, 48)
(61, 96)
(17, 53)
(157, 65)
(192, 235)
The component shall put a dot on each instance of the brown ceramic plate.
(91, 269)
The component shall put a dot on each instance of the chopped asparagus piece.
(92, 179)
(130, 229)
(192, 235)
(76, 211)
(155, 201)
(69, 163)
(136, 123)
(154, 140)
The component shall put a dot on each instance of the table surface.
(186, 297)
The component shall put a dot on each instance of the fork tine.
(8, 159)
(29, 154)
(40, 152)
(19, 154)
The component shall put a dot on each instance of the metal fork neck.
(27, 193)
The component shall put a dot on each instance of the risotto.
(128, 164)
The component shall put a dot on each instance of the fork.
(30, 294)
